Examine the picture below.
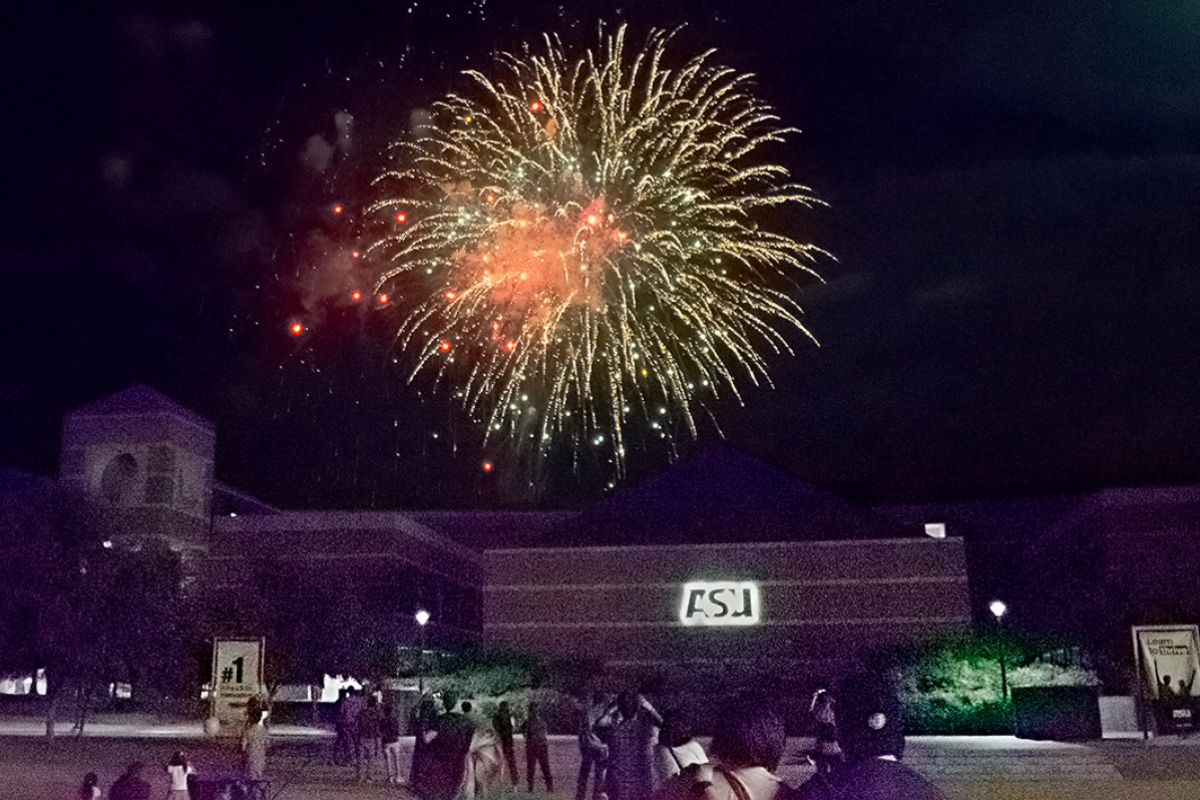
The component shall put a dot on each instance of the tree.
(311, 627)
(87, 613)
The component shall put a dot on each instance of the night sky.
(1014, 204)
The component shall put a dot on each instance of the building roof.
(14, 481)
(227, 501)
(485, 530)
(328, 526)
(721, 495)
(139, 399)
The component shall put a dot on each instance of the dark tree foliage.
(89, 612)
(312, 625)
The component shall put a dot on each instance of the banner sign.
(1168, 658)
(720, 603)
(236, 677)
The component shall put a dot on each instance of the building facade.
(816, 608)
(148, 461)
(722, 564)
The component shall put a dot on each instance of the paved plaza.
(967, 768)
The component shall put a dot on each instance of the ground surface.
(32, 768)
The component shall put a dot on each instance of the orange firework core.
(536, 261)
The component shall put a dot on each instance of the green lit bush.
(485, 678)
(953, 686)
(486, 674)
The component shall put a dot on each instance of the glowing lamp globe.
(998, 608)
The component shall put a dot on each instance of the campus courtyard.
(967, 768)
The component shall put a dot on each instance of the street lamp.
(422, 617)
(998, 609)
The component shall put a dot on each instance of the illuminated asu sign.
(720, 603)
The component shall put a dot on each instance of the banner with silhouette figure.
(1168, 658)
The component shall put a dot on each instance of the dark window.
(159, 489)
(118, 478)
(161, 459)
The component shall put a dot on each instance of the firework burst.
(574, 242)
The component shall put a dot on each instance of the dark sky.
(1014, 195)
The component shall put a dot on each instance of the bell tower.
(146, 462)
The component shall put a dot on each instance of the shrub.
(953, 686)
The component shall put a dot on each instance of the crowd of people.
(132, 783)
(631, 752)
(182, 777)
(628, 750)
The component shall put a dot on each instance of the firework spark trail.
(576, 246)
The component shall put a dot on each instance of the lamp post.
(998, 609)
(422, 618)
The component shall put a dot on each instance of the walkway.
(968, 768)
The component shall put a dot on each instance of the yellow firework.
(574, 240)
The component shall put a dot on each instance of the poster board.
(236, 677)
(1168, 668)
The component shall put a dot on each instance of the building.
(816, 608)
(640, 580)
(721, 564)
(148, 461)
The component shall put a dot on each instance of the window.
(116, 482)
(159, 489)
(160, 478)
